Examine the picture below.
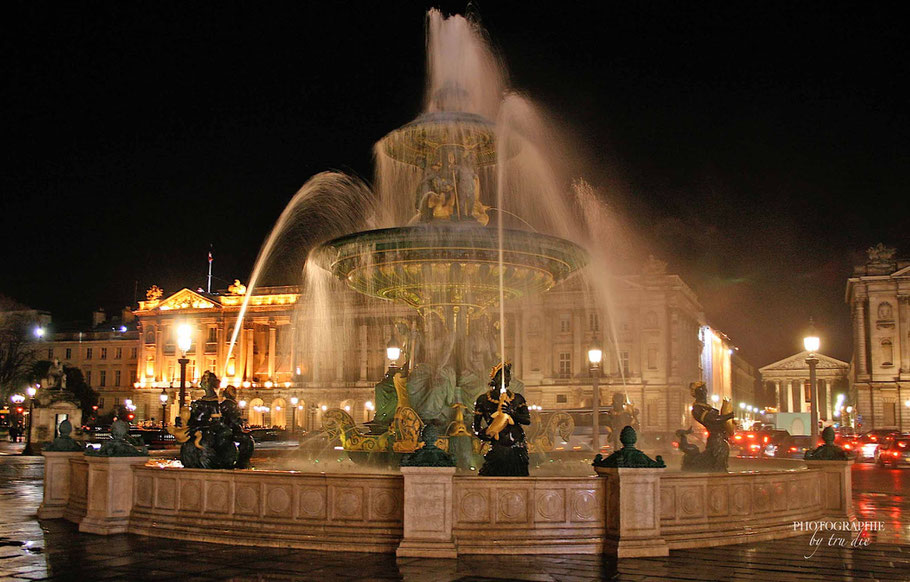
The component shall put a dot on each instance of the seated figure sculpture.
(498, 416)
(715, 457)
(209, 441)
(828, 451)
(232, 416)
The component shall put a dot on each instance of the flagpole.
(209, 287)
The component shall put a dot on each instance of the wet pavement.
(53, 549)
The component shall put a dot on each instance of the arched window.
(279, 413)
(887, 353)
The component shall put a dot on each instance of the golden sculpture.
(154, 293)
(237, 288)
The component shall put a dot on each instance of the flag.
(210, 256)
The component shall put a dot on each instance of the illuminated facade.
(652, 348)
(878, 294)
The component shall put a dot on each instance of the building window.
(623, 364)
(102, 378)
(118, 353)
(561, 399)
(103, 353)
(213, 335)
(565, 365)
(88, 377)
(88, 353)
(887, 353)
(652, 358)
(565, 323)
(133, 353)
(150, 337)
(211, 364)
(889, 410)
(593, 322)
(101, 403)
(116, 377)
(50, 353)
(69, 353)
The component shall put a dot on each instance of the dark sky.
(759, 148)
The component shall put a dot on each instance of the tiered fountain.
(465, 215)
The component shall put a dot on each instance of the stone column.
(273, 346)
(110, 494)
(802, 396)
(777, 395)
(859, 334)
(829, 404)
(789, 395)
(364, 354)
(633, 513)
(836, 486)
(903, 325)
(56, 483)
(428, 513)
(249, 360)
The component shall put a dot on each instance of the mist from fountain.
(521, 172)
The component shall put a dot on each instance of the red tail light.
(847, 446)
(738, 437)
(793, 449)
(765, 440)
(895, 454)
(873, 439)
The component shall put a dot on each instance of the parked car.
(894, 453)
(775, 438)
(795, 446)
(867, 444)
(750, 443)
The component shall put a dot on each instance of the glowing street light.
(393, 351)
(163, 397)
(31, 391)
(812, 343)
(39, 332)
(595, 356)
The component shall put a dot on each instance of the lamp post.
(31, 391)
(294, 402)
(811, 342)
(595, 355)
(163, 398)
(184, 341)
(393, 352)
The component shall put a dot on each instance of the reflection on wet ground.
(53, 549)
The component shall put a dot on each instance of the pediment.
(798, 362)
(186, 299)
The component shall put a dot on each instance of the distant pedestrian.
(14, 433)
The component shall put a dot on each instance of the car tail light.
(847, 446)
(793, 449)
(738, 437)
(895, 454)
(873, 439)
(750, 435)
(754, 447)
(902, 445)
(765, 440)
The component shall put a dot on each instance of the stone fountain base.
(431, 512)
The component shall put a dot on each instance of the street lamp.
(393, 352)
(294, 401)
(31, 391)
(163, 398)
(184, 341)
(595, 355)
(811, 342)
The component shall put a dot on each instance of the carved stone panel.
(190, 495)
(512, 505)
(550, 505)
(585, 505)
(144, 487)
(246, 498)
(166, 493)
(474, 505)
(718, 500)
(278, 500)
(217, 496)
(347, 503)
(311, 503)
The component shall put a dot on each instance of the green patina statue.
(64, 443)
(119, 445)
(828, 451)
(628, 456)
(429, 455)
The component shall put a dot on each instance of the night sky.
(758, 148)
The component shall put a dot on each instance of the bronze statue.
(209, 440)
(622, 414)
(716, 455)
(828, 451)
(232, 416)
(498, 416)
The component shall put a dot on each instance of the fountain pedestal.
(428, 515)
(109, 497)
(632, 506)
(56, 483)
(837, 486)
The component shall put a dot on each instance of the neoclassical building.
(878, 294)
(788, 381)
(655, 342)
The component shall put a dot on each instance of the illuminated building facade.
(878, 294)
